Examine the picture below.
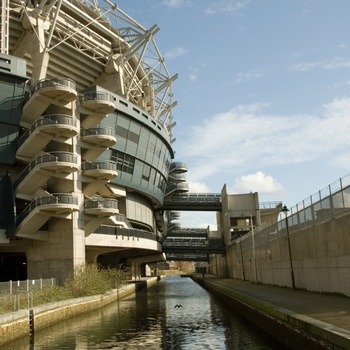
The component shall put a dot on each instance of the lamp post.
(253, 247)
(240, 244)
(285, 211)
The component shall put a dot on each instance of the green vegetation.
(87, 280)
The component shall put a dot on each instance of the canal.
(176, 313)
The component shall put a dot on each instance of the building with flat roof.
(86, 138)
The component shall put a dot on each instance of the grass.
(87, 280)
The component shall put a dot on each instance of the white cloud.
(198, 187)
(175, 3)
(335, 63)
(245, 77)
(231, 143)
(304, 67)
(258, 182)
(229, 7)
(178, 51)
(198, 219)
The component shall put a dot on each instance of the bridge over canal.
(192, 244)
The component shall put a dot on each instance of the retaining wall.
(17, 324)
(320, 258)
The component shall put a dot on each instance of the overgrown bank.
(15, 325)
(87, 280)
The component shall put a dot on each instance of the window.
(124, 162)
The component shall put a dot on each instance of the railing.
(95, 96)
(103, 165)
(55, 198)
(64, 157)
(188, 232)
(135, 233)
(41, 84)
(209, 245)
(194, 198)
(51, 119)
(178, 166)
(13, 287)
(270, 205)
(330, 202)
(97, 131)
(101, 204)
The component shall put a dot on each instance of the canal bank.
(298, 319)
(26, 322)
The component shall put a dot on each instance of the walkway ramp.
(299, 319)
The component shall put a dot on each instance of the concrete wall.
(320, 258)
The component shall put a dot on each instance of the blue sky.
(263, 93)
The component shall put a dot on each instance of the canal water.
(176, 313)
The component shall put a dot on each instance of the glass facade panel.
(11, 100)
(142, 156)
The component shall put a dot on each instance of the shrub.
(87, 280)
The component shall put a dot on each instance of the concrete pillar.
(60, 255)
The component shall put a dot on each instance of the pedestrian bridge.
(193, 202)
(192, 245)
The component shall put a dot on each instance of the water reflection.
(151, 320)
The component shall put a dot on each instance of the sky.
(263, 93)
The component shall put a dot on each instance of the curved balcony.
(99, 137)
(178, 167)
(96, 105)
(177, 177)
(36, 174)
(57, 91)
(180, 187)
(95, 141)
(101, 207)
(100, 171)
(53, 126)
(40, 210)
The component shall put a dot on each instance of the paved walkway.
(327, 311)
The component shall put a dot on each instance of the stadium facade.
(86, 153)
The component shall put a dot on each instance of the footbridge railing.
(194, 245)
(193, 202)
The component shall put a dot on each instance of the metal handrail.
(101, 204)
(97, 131)
(102, 165)
(66, 157)
(50, 119)
(54, 198)
(65, 82)
(96, 95)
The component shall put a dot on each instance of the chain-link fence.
(329, 203)
(14, 287)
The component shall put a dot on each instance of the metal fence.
(14, 287)
(329, 203)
